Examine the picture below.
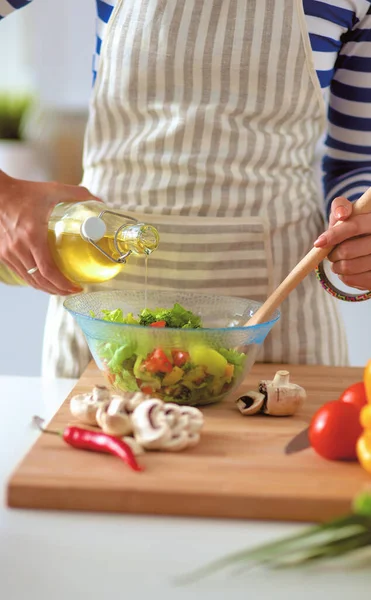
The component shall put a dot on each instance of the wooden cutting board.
(238, 470)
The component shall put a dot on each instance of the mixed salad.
(197, 374)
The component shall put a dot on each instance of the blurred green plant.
(13, 108)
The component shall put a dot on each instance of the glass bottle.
(90, 243)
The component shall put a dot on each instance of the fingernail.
(321, 241)
(75, 290)
(341, 212)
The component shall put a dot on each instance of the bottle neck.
(139, 238)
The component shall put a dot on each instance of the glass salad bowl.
(194, 349)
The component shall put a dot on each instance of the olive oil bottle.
(90, 243)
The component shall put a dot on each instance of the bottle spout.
(148, 238)
(140, 239)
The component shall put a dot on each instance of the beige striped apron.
(203, 121)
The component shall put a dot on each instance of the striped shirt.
(340, 37)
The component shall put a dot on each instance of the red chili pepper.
(96, 441)
(158, 324)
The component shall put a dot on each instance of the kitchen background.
(47, 50)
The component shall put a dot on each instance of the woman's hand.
(351, 259)
(25, 208)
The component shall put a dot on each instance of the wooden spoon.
(302, 269)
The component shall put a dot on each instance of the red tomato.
(355, 394)
(158, 362)
(179, 357)
(158, 324)
(334, 431)
(146, 389)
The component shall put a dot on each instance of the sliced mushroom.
(136, 448)
(166, 426)
(186, 422)
(283, 398)
(195, 422)
(113, 417)
(178, 426)
(150, 425)
(251, 403)
(133, 400)
(84, 407)
(101, 393)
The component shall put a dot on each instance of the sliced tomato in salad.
(147, 389)
(158, 362)
(180, 357)
(158, 324)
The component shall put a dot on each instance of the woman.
(204, 120)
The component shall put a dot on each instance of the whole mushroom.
(283, 398)
(278, 397)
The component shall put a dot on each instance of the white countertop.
(71, 556)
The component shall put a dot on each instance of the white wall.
(49, 45)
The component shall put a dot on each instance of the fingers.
(33, 251)
(350, 249)
(24, 215)
(25, 253)
(41, 283)
(49, 274)
(356, 266)
(17, 268)
(356, 226)
(71, 193)
(24, 261)
(341, 209)
(360, 282)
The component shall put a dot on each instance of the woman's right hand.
(25, 208)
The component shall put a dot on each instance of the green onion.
(348, 536)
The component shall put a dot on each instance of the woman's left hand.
(351, 259)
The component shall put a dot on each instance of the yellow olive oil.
(80, 261)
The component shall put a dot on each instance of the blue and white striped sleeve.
(104, 11)
(347, 160)
(7, 6)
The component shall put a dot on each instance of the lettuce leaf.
(232, 356)
(117, 316)
(121, 354)
(126, 381)
(177, 317)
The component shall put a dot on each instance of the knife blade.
(299, 442)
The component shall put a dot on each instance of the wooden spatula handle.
(314, 257)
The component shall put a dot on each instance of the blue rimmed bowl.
(195, 366)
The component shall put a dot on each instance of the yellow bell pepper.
(364, 451)
(365, 417)
(174, 376)
(363, 447)
(367, 380)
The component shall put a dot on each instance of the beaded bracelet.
(335, 292)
